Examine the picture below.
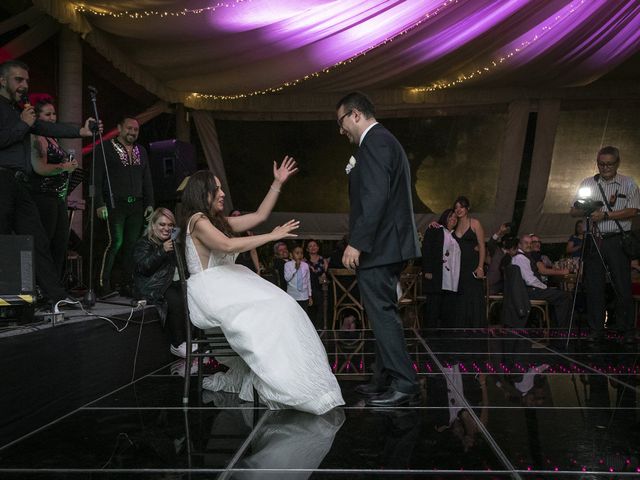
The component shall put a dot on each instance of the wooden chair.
(543, 307)
(346, 301)
(492, 298)
(411, 300)
(512, 274)
(209, 343)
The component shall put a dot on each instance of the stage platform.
(50, 370)
(496, 404)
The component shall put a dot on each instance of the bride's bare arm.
(214, 239)
(281, 174)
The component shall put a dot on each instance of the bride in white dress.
(280, 353)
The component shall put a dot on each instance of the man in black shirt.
(18, 212)
(130, 177)
(280, 257)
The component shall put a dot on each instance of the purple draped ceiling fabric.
(253, 45)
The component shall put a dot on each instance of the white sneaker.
(178, 368)
(526, 383)
(181, 350)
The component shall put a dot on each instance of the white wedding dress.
(280, 353)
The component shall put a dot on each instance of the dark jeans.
(595, 282)
(560, 300)
(55, 220)
(124, 227)
(19, 214)
(304, 304)
(316, 311)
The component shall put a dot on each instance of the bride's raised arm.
(208, 235)
(281, 174)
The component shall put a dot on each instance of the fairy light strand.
(491, 66)
(438, 85)
(326, 70)
(82, 8)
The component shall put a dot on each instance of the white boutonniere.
(350, 165)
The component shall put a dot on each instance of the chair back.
(182, 272)
(516, 306)
(344, 281)
(345, 298)
(409, 285)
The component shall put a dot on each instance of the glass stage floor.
(495, 404)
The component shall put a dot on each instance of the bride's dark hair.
(195, 199)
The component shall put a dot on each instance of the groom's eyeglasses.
(341, 119)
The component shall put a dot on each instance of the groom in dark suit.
(382, 238)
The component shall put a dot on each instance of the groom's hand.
(351, 257)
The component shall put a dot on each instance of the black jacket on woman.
(153, 270)
(432, 259)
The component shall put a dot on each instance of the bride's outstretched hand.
(284, 231)
(287, 168)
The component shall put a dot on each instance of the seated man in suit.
(536, 289)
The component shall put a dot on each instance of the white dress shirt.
(450, 262)
(622, 189)
(365, 132)
(291, 277)
(522, 261)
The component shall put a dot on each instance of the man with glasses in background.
(621, 202)
(543, 264)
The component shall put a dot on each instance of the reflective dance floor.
(495, 404)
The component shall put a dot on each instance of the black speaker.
(17, 276)
(171, 161)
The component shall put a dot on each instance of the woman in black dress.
(49, 182)
(318, 266)
(470, 309)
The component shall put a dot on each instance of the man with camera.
(610, 201)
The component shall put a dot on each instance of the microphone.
(25, 100)
(91, 89)
(71, 154)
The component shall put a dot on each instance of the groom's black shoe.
(393, 398)
(370, 389)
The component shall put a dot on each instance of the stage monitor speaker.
(171, 161)
(17, 275)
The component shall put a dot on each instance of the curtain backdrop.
(292, 46)
(206, 128)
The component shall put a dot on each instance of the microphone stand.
(89, 299)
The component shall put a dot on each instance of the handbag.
(630, 240)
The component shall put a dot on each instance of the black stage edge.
(49, 371)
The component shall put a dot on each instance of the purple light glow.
(256, 15)
(249, 47)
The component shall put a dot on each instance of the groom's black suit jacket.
(381, 222)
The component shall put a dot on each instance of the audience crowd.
(460, 270)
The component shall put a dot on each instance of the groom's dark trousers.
(378, 290)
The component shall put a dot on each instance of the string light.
(102, 12)
(491, 66)
(270, 90)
